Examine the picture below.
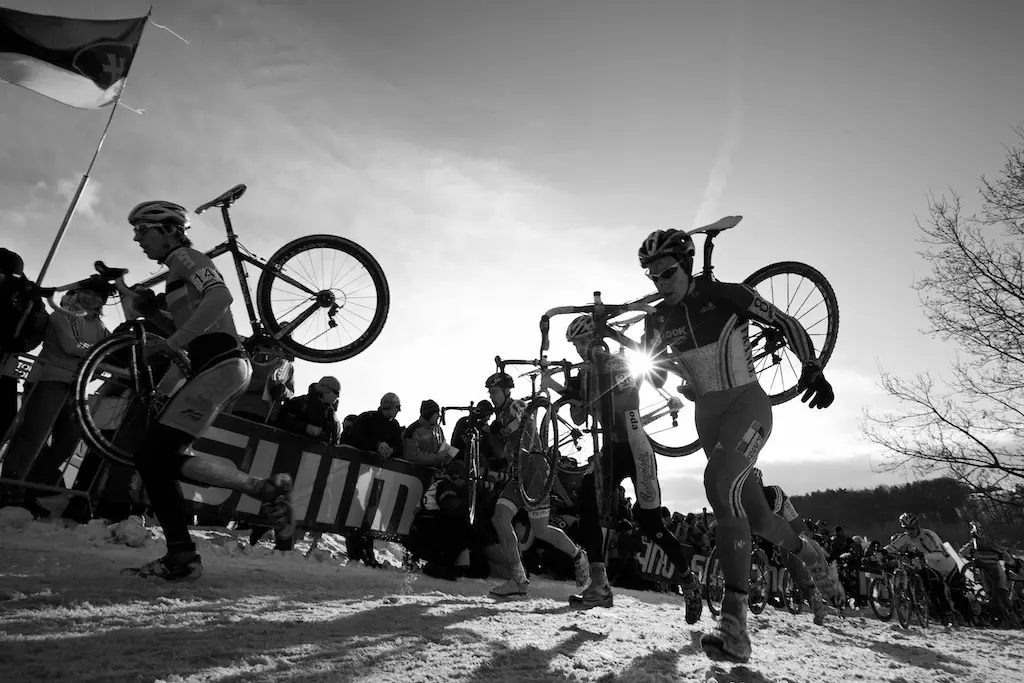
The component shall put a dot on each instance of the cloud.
(87, 202)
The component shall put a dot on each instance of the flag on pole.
(79, 62)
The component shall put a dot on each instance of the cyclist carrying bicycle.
(198, 307)
(631, 456)
(733, 415)
(781, 505)
(507, 429)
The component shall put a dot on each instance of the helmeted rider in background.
(506, 430)
(939, 572)
(631, 456)
(700, 326)
(197, 306)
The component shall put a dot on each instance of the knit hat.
(429, 407)
(331, 383)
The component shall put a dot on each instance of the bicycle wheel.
(757, 592)
(714, 584)
(116, 397)
(879, 596)
(792, 595)
(573, 441)
(672, 431)
(327, 293)
(472, 475)
(901, 600)
(537, 454)
(802, 292)
(919, 599)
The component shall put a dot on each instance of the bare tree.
(971, 424)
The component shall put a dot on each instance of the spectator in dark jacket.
(378, 430)
(423, 441)
(314, 414)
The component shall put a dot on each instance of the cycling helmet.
(483, 409)
(756, 474)
(582, 326)
(908, 520)
(159, 212)
(674, 243)
(976, 530)
(499, 379)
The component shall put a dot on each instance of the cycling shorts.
(198, 402)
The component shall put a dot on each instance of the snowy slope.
(66, 614)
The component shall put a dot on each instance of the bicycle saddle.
(721, 224)
(226, 199)
(108, 273)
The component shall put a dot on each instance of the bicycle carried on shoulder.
(796, 289)
(311, 293)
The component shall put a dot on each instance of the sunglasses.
(142, 228)
(663, 275)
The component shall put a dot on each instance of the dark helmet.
(159, 212)
(483, 408)
(674, 243)
(500, 379)
(908, 520)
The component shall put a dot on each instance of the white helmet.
(582, 326)
(158, 212)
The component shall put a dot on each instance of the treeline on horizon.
(945, 505)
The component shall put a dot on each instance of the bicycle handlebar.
(469, 409)
(103, 273)
(598, 309)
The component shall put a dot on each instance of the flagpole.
(85, 178)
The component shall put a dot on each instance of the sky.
(499, 159)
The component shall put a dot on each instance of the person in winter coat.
(48, 405)
(378, 430)
(315, 414)
(423, 441)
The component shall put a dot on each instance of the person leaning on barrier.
(48, 405)
(347, 423)
(378, 430)
(423, 440)
(272, 383)
(314, 415)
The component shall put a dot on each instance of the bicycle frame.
(241, 256)
(597, 350)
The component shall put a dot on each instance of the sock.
(598, 575)
(735, 603)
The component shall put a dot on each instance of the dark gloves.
(815, 387)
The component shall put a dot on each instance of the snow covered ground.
(66, 614)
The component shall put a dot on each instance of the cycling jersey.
(779, 502)
(509, 416)
(714, 352)
(190, 274)
(223, 370)
(625, 390)
(930, 545)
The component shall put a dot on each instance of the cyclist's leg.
(591, 532)
(732, 431)
(539, 523)
(505, 509)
